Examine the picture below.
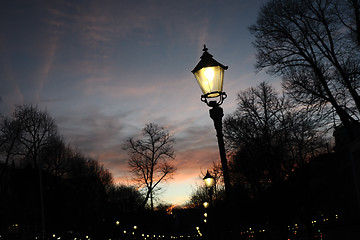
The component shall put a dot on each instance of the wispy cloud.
(104, 69)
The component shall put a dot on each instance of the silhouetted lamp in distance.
(209, 74)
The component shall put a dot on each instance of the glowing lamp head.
(209, 180)
(209, 75)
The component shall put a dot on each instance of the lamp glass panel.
(209, 182)
(210, 80)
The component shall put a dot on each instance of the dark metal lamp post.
(210, 75)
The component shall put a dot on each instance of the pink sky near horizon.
(105, 69)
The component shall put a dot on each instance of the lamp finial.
(205, 48)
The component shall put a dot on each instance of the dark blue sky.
(103, 69)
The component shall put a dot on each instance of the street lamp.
(209, 183)
(209, 180)
(210, 75)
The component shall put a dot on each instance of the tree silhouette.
(150, 156)
(37, 129)
(269, 137)
(311, 45)
(43, 180)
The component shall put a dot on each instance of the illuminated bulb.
(209, 74)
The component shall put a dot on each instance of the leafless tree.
(98, 171)
(9, 135)
(38, 128)
(268, 137)
(24, 134)
(150, 156)
(311, 44)
(56, 157)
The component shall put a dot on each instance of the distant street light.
(209, 180)
(209, 183)
(210, 75)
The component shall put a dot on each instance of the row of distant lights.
(144, 236)
(147, 236)
(295, 229)
(251, 232)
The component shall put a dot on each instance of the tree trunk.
(147, 196)
(151, 201)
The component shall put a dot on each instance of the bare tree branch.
(149, 158)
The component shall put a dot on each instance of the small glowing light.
(206, 204)
(54, 235)
(124, 231)
(135, 227)
(117, 223)
(205, 215)
(205, 221)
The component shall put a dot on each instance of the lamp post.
(209, 183)
(210, 75)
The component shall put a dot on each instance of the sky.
(104, 69)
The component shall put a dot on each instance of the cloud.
(92, 130)
(104, 69)
(10, 90)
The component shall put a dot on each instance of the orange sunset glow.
(179, 119)
(104, 71)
